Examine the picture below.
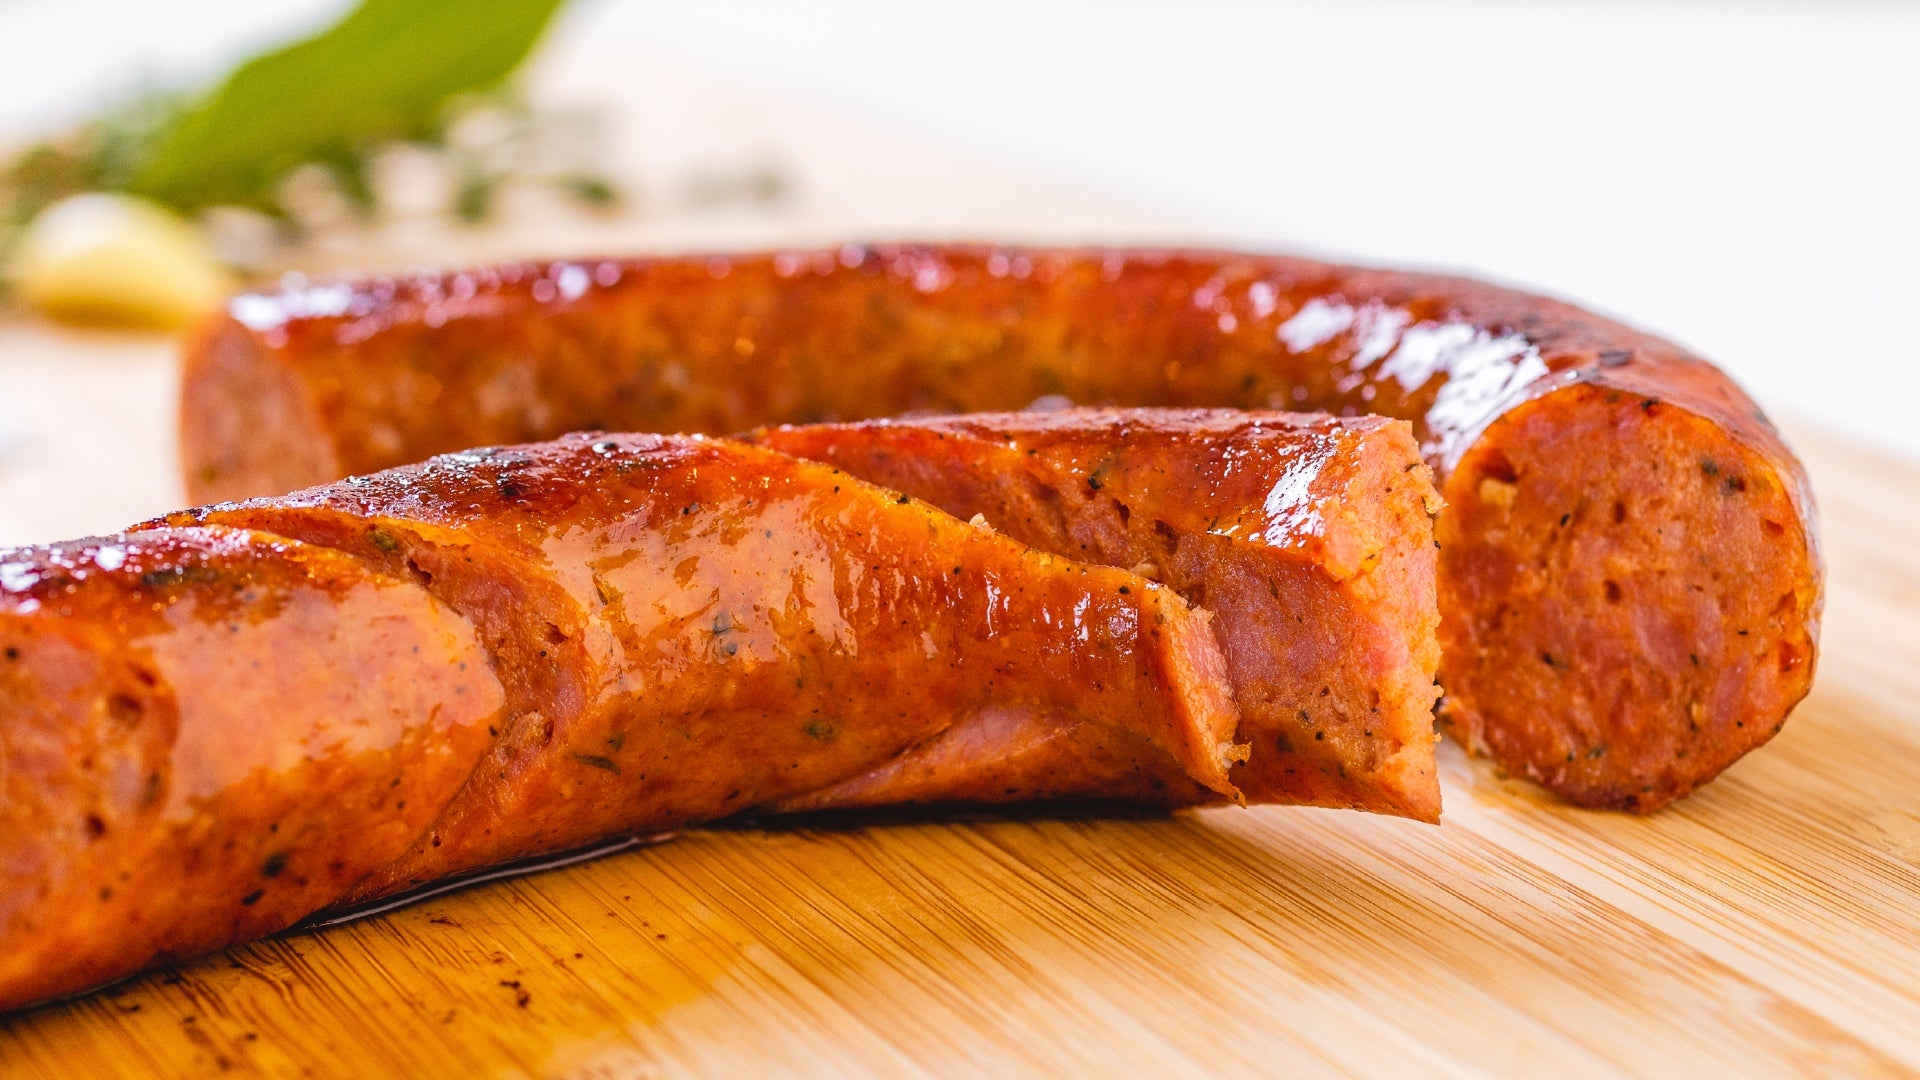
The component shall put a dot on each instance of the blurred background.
(1743, 177)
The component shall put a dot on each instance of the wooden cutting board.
(1769, 925)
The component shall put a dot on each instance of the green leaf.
(382, 73)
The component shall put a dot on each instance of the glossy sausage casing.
(213, 730)
(301, 703)
(1629, 584)
(689, 627)
(222, 722)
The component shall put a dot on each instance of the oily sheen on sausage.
(690, 627)
(1304, 536)
(242, 715)
(297, 704)
(1630, 583)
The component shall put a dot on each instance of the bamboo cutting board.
(1769, 925)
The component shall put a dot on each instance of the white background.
(1742, 177)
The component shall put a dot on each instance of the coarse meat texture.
(1308, 539)
(205, 736)
(1636, 628)
(1509, 394)
(689, 627)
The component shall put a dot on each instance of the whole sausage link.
(1630, 584)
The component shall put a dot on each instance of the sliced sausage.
(1630, 584)
(1306, 537)
(691, 627)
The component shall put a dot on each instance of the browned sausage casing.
(301, 703)
(1629, 581)
(690, 627)
(297, 704)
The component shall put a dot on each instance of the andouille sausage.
(1629, 585)
(214, 730)
(1305, 536)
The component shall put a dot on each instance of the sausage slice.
(1306, 537)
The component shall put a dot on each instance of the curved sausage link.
(1630, 584)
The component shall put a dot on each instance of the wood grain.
(1769, 925)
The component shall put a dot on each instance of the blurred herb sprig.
(390, 71)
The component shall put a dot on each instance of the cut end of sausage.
(1376, 728)
(248, 425)
(1631, 597)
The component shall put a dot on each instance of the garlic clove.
(105, 259)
